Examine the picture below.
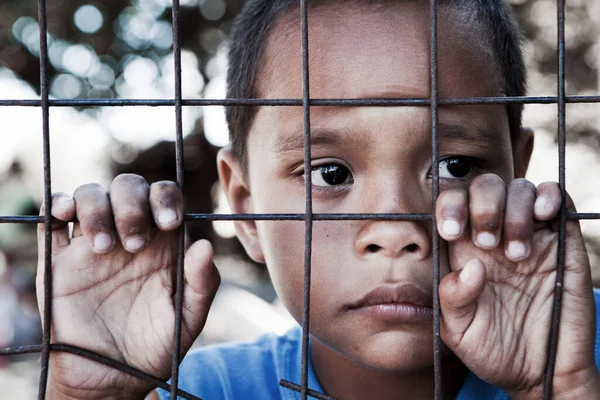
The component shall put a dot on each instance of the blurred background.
(123, 49)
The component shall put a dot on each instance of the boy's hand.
(497, 303)
(114, 282)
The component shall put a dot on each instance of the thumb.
(459, 292)
(202, 280)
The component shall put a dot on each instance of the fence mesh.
(433, 102)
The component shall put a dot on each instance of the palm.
(506, 341)
(119, 305)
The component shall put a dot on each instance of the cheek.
(283, 246)
(332, 254)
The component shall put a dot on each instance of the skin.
(494, 302)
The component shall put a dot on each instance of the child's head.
(490, 20)
(365, 159)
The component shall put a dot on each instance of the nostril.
(412, 248)
(373, 248)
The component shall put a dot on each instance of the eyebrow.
(474, 135)
(320, 136)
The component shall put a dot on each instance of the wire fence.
(433, 102)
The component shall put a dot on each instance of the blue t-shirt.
(252, 370)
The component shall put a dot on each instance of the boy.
(371, 297)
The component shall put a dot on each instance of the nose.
(394, 239)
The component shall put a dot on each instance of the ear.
(239, 197)
(522, 152)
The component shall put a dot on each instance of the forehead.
(377, 52)
(360, 50)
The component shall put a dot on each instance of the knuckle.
(164, 188)
(131, 226)
(88, 189)
(95, 223)
(486, 180)
(129, 180)
(166, 194)
(93, 212)
(522, 185)
(59, 195)
(486, 220)
(448, 197)
(516, 228)
(164, 185)
(129, 212)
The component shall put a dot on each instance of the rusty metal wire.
(44, 92)
(437, 342)
(308, 216)
(560, 267)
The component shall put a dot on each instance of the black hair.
(251, 31)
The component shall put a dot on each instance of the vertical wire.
(308, 219)
(47, 323)
(437, 357)
(179, 167)
(560, 268)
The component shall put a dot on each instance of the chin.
(396, 360)
(393, 351)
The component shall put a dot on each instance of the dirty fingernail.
(517, 250)
(102, 242)
(135, 243)
(486, 239)
(450, 227)
(167, 217)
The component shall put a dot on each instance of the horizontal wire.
(34, 219)
(100, 359)
(310, 392)
(296, 102)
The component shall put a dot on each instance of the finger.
(452, 213)
(547, 202)
(202, 281)
(63, 211)
(76, 230)
(129, 200)
(459, 292)
(518, 222)
(95, 217)
(167, 205)
(487, 197)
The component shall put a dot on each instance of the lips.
(404, 303)
(395, 294)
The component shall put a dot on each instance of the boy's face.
(366, 160)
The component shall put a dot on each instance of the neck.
(342, 378)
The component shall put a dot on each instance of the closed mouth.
(406, 293)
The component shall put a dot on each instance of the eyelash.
(475, 165)
(331, 188)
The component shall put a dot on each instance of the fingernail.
(542, 206)
(135, 243)
(167, 217)
(451, 227)
(486, 239)
(102, 242)
(517, 250)
(466, 274)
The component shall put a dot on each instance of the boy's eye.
(456, 167)
(331, 175)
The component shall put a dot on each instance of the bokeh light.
(213, 10)
(88, 19)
